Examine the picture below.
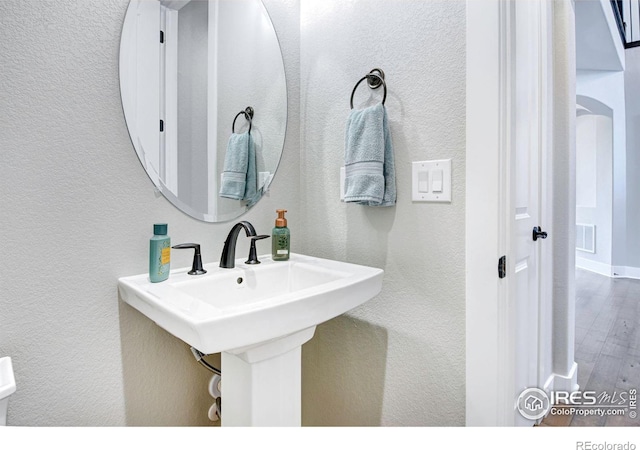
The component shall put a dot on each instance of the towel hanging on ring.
(239, 177)
(369, 159)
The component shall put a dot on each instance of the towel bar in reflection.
(248, 114)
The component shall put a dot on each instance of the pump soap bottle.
(159, 253)
(280, 238)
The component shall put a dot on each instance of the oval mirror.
(205, 100)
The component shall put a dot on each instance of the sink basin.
(231, 309)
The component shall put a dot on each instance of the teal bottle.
(280, 238)
(159, 253)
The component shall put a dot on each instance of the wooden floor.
(607, 343)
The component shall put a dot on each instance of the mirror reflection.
(204, 96)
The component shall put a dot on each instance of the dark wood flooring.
(607, 343)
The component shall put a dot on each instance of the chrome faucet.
(227, 260)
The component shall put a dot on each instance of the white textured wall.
(77, 213)
(398, 359)
(563, 180)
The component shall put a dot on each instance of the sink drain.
(239, 280)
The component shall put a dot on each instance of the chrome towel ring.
(374, 80)
(248, 114)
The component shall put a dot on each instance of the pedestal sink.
(258, 317)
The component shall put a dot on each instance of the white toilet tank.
(7, 387)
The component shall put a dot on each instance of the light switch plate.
(443, 179)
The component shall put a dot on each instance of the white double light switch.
(431, 181)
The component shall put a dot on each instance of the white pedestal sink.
(258, 317)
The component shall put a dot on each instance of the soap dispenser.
(280, 238)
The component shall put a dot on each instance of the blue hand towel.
(239, 179)
(370, 177)
(251, 192)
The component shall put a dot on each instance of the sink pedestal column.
(262, 384)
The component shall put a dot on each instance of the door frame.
(490, 344)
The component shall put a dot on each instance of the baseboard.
(594, 266)
(561, 383)
(625, 272)
(568, 383)
(608, 270)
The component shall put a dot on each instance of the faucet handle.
(196, 267)
(253, 257)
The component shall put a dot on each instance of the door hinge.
(502, 267)
(161, 37)
(161, 125)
